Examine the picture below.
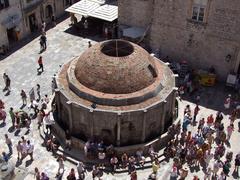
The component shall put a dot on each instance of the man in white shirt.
(30, 148)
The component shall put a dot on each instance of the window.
(4, 4)
(199, 9)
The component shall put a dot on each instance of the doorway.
(49, 11)
(11, 34)
(32, 22)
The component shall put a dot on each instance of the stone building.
(35, 11)
(19, 18)
(11, 25)
(116, 92)
(203, 32)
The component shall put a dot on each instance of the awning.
(11, 21)
(105, 12)
(133, 32)
(95, 8)
(83, 7)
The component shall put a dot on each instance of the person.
(114, 163)
(210, 120)
(173, 173)
(8, 84)
(101, 157)
(208, 173)
(48, 122)
(71, 175)
(183, 173)
(38, 92)
(5, 81)
(124, 159)
(19, 150)
(37, 174)
(53, 20)
(237, 163)
(24, 97)
(95, 172)
(40, 63)
(2, 104)
(230, 130)
(46, 99)
(41, 45)
(140, 158)
(60, 164)
(133, 175)
(12, 116)
(30, 148)
(227, 102)
(43, 42)
(44, 176)
(89, 44)
(53, 86)
(8, 143)
(52, 144)
(155, 166)
(81, 170)
(43, 27)
(68, 140)
(85, 25)
(196, 110)
(24, 148)
(5, 157)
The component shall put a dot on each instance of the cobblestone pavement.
(62, 46)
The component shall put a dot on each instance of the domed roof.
(116, 67)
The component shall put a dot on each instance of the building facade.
(11, 25)
(19, 18)
(204, 33)
(36, 11)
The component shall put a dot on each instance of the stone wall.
(178, 37)
(135, 12)
(5, 16)
(85, 123)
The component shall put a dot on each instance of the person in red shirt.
(40, 63)
(210, 120)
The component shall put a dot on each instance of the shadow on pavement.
(11, 129)
(28, 163)
(19, 44)
(3, 124)
(211, 97)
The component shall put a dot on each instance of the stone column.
(174, 112)
(92, 122)
(144, 125)
(57, 99)
(70, 116)
(119, 129)
(164, 104)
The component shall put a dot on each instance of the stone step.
(74, 156)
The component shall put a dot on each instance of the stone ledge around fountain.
(158, 143)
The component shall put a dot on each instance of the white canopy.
(95, 8)
(83, 7)
(133, 32)
(106, 12)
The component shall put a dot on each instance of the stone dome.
(116, 67)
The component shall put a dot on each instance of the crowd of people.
(190, 148)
